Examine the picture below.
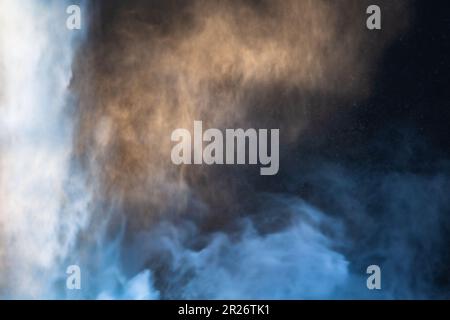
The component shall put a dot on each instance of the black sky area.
(410, 98)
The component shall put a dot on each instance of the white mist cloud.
(139, 287)
(293, 264)
(36, 52)
(296, 262)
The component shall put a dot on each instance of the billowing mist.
(86, 177)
